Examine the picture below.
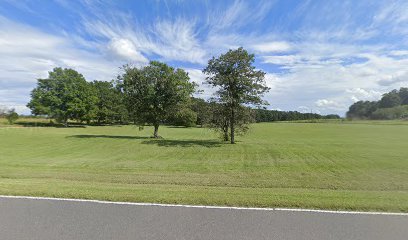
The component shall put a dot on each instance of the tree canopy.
(110, 106)
(392, 105)
(157, 94)
(64, 95)
(238, 84)
(154, 92)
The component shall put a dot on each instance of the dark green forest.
(392, 105)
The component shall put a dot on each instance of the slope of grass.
(326, 165)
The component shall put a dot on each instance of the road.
(59, 219)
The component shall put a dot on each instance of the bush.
(400, 112)
(12, 116)
(184, 117)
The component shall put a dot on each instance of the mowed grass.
(334, 165)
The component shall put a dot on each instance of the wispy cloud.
(318, 55)
(24, 59)
(269, 47)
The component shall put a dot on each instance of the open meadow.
(333, 165)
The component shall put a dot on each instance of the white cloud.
(335, 55)
(177, 41)
(331, 76)
(238, 14)
(197, 76)
(126, 50)
(269, 47)
(28, 54)
(359, 94)
(399, 53)
(170, 40)
(329, 104)
(282, 60)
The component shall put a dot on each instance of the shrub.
(400, 112)
(12, 116)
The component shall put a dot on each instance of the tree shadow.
(107, 136)
(159, 142)
(183, 143)
(48, 124)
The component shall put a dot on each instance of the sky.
(319, 56)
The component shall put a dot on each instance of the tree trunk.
(156, 131)
(232, 126)
(225, 129)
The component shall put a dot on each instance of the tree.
(64, 95)
(238, 83)
(12, 116)
(403, 94)
(202, 109)
(183, 117)
(389, 100)
(399, 112)
(362, 109)
(220, 119)
(155, 91)
(110, 107)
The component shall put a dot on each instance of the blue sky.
(319, 56)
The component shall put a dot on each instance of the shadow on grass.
(158, 142)
(47, 124)
(183, 143)
(107, 136)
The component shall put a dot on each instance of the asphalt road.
(50, 219)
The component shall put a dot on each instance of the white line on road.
(206, 207)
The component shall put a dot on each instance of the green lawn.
(333, 165)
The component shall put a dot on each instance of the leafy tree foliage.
(202, 109)
(155, 91)
(397, 112)
(64, 95)
(403, 94)
(110, 107)
(362, 109)
(220, 119)
(12, 116)
(388, 107)
(183, 117)
(238, 83)
(389, 100)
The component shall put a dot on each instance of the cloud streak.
(318, 55)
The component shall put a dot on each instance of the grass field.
(334, 165)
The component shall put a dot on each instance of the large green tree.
(362, 110)
(110, 107)
(64, 95)
(202, 109)
(238, 83)
(389, 100)
(154, 92)
(403, 94)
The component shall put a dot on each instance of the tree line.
(264, 115)
(158, 94)
(392, 105)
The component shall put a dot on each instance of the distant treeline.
(263, 115)
(392, 105)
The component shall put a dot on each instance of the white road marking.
(207, 207)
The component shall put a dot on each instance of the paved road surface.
(50, 219)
